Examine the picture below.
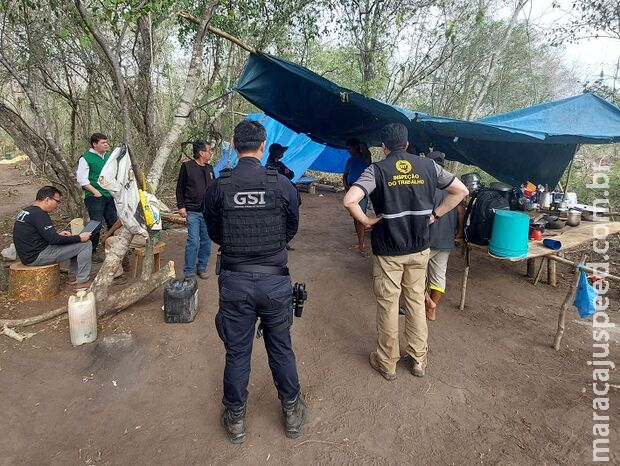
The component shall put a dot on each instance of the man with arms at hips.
(402, 190)
(38, 243)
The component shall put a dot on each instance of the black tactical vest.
(404, 195)
(253, 221)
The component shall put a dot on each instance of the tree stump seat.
(137, 258)
(33, 282)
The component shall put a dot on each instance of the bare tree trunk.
(494, 62)
(36, 148)
(187, 101)
(110, 265)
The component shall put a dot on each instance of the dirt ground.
(495, 391)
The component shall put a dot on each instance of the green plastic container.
(510, 233)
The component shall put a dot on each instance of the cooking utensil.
(546, 200)
(472, 181)
(574, 218)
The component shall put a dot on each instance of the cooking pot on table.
(472, 181)
(574, 218)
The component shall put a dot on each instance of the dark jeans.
(243, 298)
(100, 209)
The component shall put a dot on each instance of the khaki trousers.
(390, 274)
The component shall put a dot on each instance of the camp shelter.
(535, 143)
(302, 153)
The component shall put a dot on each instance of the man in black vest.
(252, 212)
(402, 190)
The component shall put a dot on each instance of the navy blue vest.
(252, 222)
(404, 195)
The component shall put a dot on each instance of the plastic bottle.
(82, 318)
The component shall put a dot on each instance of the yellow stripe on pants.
(390, 275)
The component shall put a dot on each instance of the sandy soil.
(495, 393)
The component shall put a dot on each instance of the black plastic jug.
(181, 300)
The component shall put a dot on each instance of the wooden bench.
(33, 282)
(137, 258)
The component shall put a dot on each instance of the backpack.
(480, 213)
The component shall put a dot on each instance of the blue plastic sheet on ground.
(584, 297)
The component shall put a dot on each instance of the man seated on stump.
(38, 243)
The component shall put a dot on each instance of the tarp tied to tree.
(536, 143)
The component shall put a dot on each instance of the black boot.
(294, 413)
(233, 421)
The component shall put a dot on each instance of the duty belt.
(268, 269)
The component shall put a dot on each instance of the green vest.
(95, 165)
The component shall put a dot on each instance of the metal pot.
(574, 218)
(471, 181)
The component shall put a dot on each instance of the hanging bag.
(584, 297)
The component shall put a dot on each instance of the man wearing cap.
(276, 152)
(252, 212)
(443, 232)
(402, 189)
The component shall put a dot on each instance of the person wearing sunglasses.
(38, 243)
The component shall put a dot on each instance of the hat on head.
(438, 157)
(277, 149)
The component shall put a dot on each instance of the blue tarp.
(535, 144)
(302, 153)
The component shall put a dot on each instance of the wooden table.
(570, 237)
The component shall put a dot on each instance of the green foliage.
(587, 163)
(427, 55)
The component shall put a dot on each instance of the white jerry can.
(82, 318)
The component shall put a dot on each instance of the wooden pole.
(465, 277)
(570, 167)
(551, 276)
(568, 301)
(539, 273)
(561, 260)
(218, 32)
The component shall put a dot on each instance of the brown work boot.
(374, 363)
(233, 421)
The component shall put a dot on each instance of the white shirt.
(83, 170)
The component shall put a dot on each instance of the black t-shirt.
(33, 232)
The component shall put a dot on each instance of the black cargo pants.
(245, 297)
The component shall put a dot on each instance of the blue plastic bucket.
(510, 234)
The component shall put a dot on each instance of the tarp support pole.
(570, 167)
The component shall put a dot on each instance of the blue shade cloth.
(302, 152)
(536, 143)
